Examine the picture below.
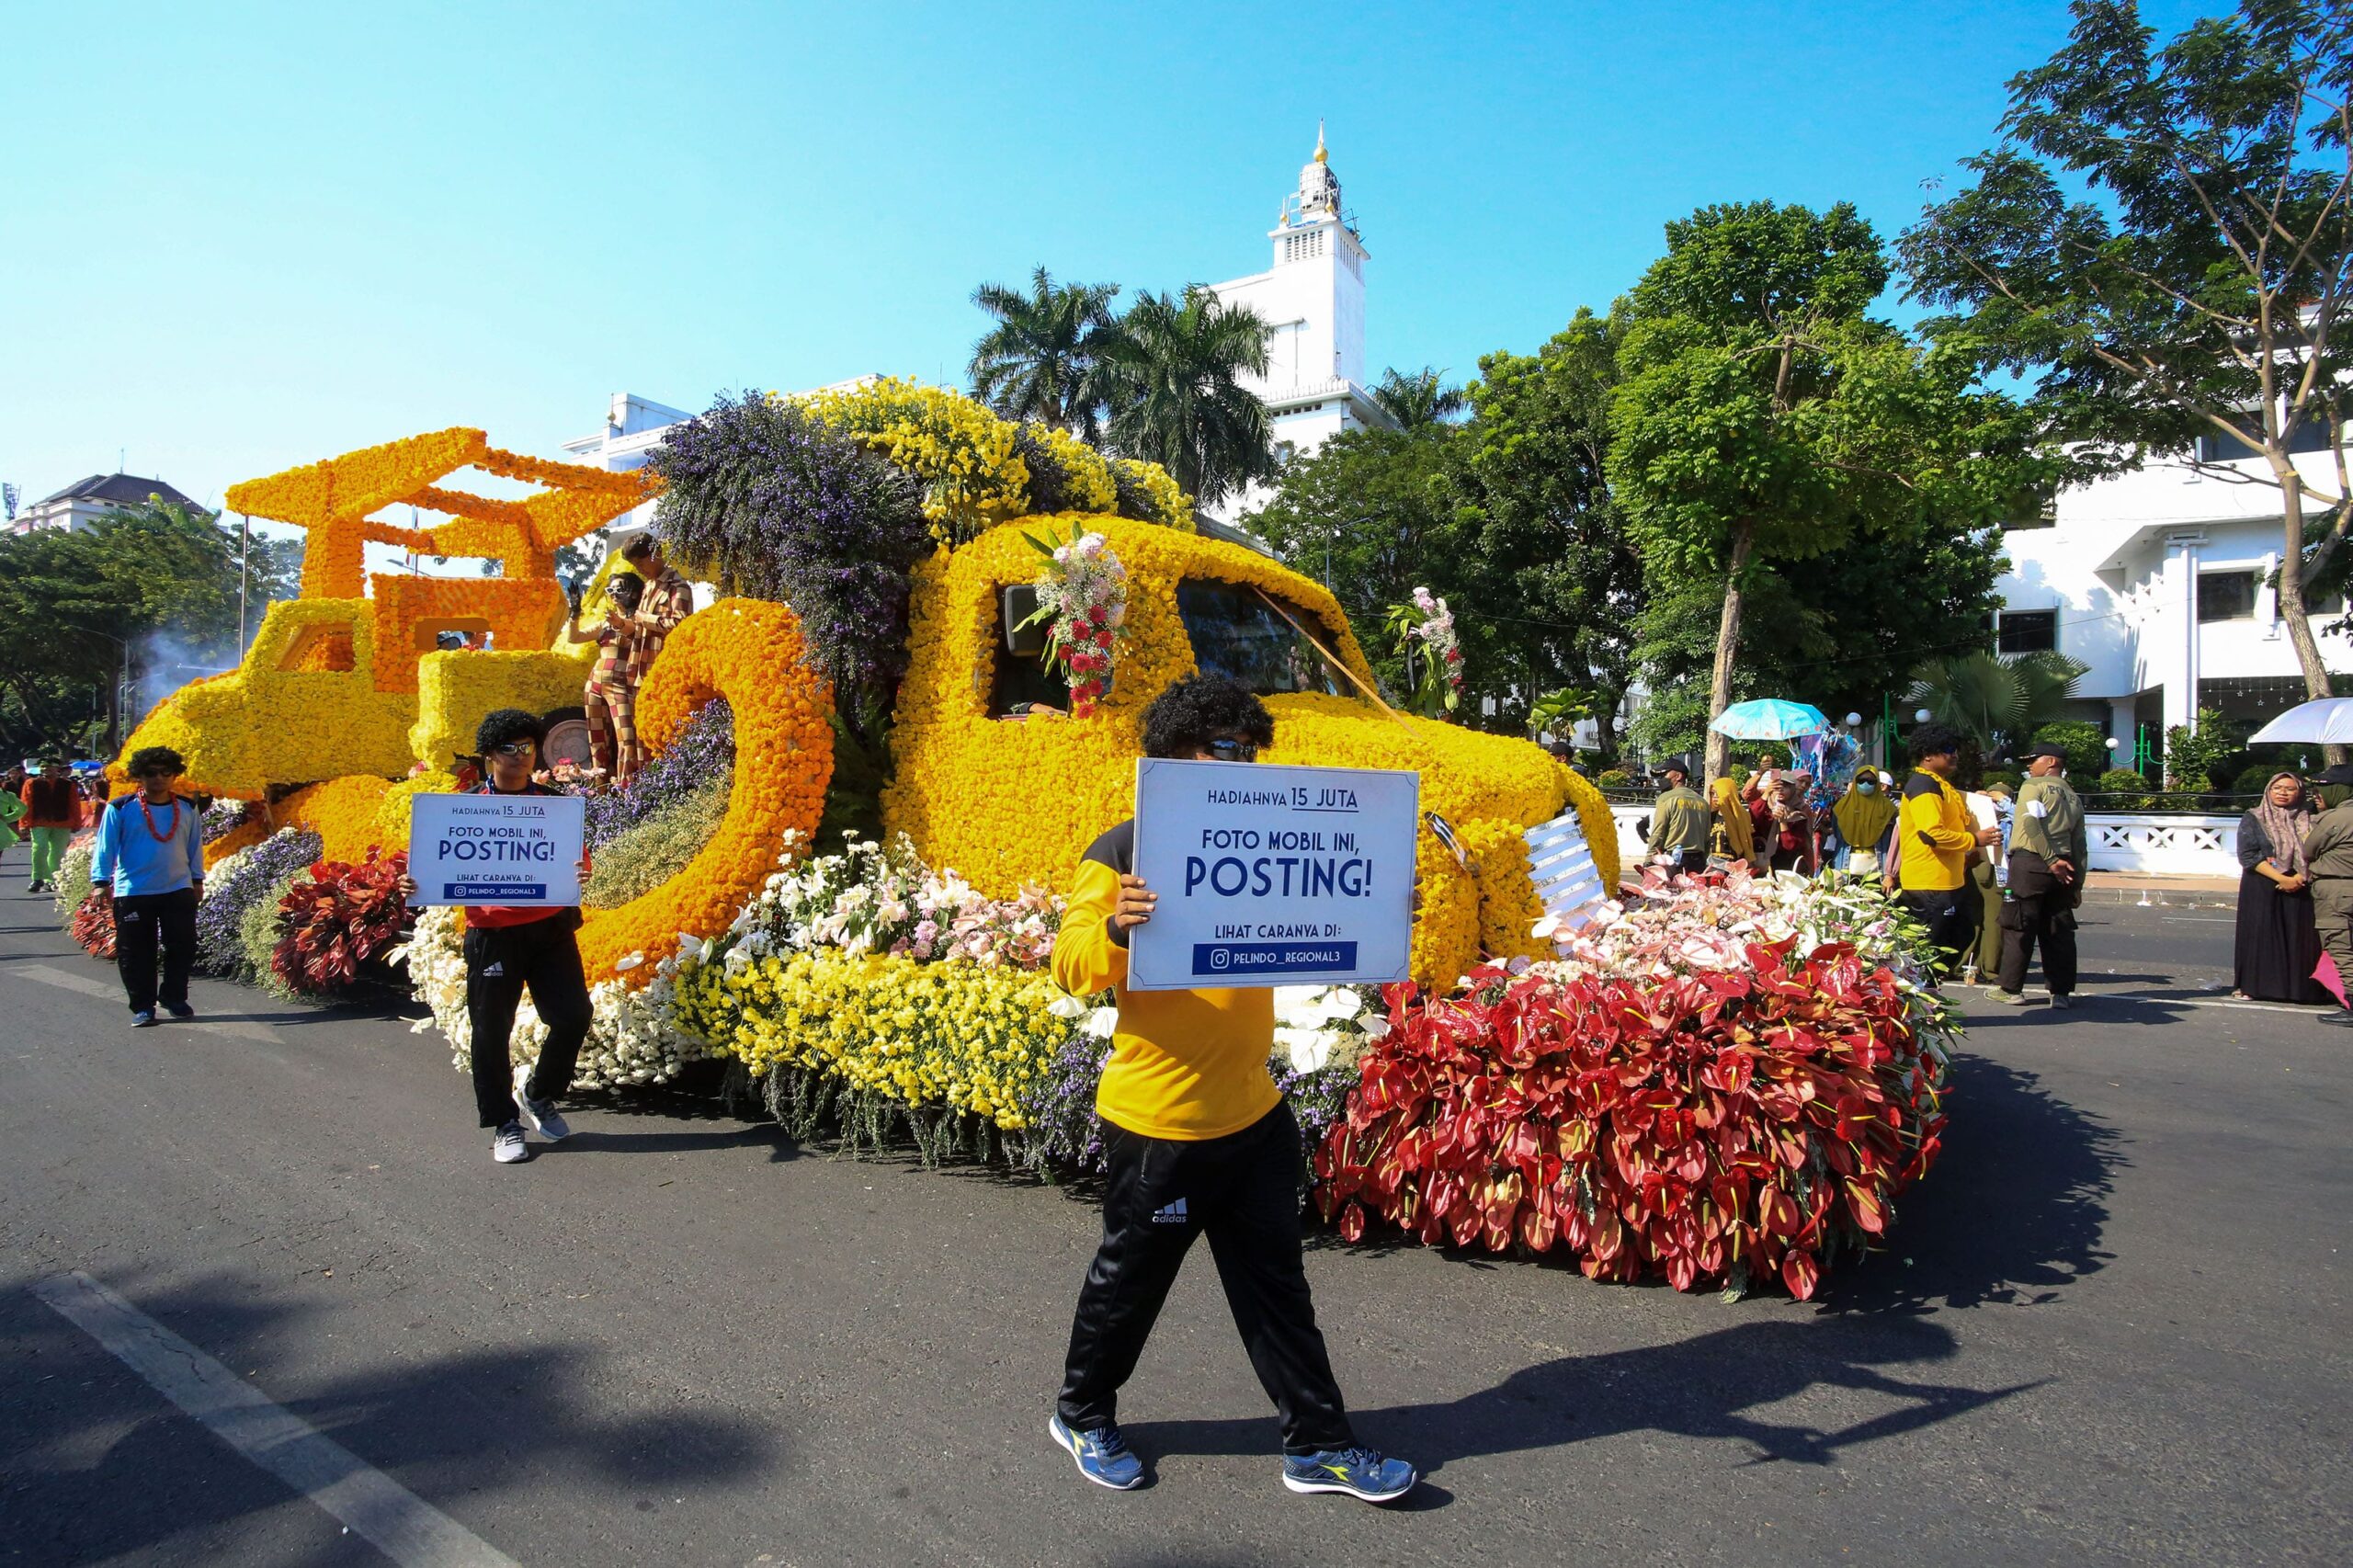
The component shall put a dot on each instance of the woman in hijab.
(1732, 838)
(1784, 827)
(2276, 945)
(1863, 816)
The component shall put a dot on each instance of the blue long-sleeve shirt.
(129, 856)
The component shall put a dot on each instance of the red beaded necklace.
(165, 836)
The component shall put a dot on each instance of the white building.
(1312, 297)
(76, 506)
(2156, 579)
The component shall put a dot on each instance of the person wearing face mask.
(1863, 816)
(2047, 862)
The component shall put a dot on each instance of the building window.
(2312, 436)
(2027, 631)
(2225, 596)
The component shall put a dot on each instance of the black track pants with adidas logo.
(1241, 1190)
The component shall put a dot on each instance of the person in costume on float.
(668, 599)
(511, 950)
(1198, 1140)
(1937, 834)
(609, 697)
(2049, 855)
(150, 865)
(52, 812)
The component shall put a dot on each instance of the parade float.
(838, 873)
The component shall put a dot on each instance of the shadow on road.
(447, 1426)
(2014, 1210)
(1711, 1386)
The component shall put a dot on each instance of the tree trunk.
(1744, 545)
(2291, 594)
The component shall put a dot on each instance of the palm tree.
(1420, 399)
(1172, 378)
(1039, 361)
(1995, 698)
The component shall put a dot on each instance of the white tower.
(1313, 301)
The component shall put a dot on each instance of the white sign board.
(1273, 876)
(516, 850)
(1560, 861)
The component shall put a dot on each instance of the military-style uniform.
(2047, 826)
(2328, 855)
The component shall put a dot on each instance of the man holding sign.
(511, 947)
(1198, 1140)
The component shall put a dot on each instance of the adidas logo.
(1172, 1215)
(494, 970)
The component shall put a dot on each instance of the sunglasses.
(516, 748)
(1226, 750)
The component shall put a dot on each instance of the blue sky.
(236, 238)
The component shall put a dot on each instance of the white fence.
(2166, 844)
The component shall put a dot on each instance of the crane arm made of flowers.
(333, 501)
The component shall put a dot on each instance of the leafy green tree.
(1040, 361)
(1171, 376)
(1996, 699)
(2199, 289)
(1763, 418)
(2086, 744)
(1418, 399)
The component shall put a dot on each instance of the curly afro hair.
(1197, 710)
(505, 726)
(1933, 740)
(149, 760)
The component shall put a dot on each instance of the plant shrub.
(336, 920)
(1735, 1124)
(1615, 778)
(92, 926)
(2252, 780)
(644, 857)
(257, 934)
(2087, 746)
(2123, 781)
(234, 887)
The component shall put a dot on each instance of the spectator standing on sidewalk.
(2048, 858)
(150, 861)
(1936, 833)
(510, 951)
(1679, 821)
(2275, 943)
(2329, 851)
(52, 812)
(12, 806)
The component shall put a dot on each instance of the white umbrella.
(2327, 721)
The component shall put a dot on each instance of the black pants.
(1243, 1190)
(2041, 911)
(141, 922)
(1952, 917)
(500, 961)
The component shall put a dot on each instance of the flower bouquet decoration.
(1083, 601)
(1431, 651)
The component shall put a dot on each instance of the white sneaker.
(543, 1117)
(506, 1145)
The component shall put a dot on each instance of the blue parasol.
(1769, 718)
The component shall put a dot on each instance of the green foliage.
(650, 853)
(2161, 245)
(1418, 399)
(2008, 776)
(1991, 697)
(2252, 778)
(1041, 360)
(2193, 757)
(1615, 778)
(1559, 709)
(257, 933)
(1171, 376)
(1763, 418)
(2122, 781)
(2087, 745)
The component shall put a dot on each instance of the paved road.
(2111, 1327)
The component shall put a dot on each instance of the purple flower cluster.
(772, 504)
(1064, 1133)
(704, 749)
(219, 919)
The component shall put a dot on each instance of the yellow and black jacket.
(1936, 833)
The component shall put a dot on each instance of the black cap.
(1677, 765)
(2047, 748)
(2341, 774)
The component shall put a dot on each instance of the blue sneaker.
(1360, 1473)
(1103, 1456)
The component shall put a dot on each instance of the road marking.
(396, 1521)
(2199, 1001)
(65, 980)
